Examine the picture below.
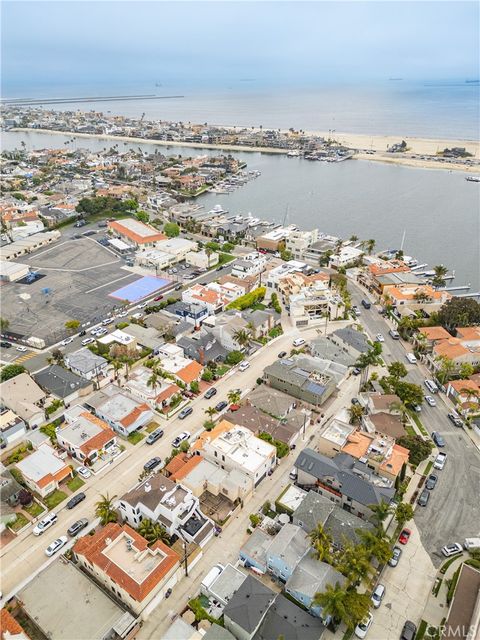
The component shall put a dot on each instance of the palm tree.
(321, 543)
(243, 337)
(446, 368)
(208, 253)
(153, 380)
(354, 562)
(380, 513)
(376, 544)
(116, 365)
(333, 602)
(401, 408)
(105, 510)
(355, 412)
(233, 396)
(152, 531)
(251, 327)
(210, 411)
(438, 279)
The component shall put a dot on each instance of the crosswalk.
(24, 357)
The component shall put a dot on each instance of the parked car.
(396, 553)
(417, 408)
(56, 546)
(379, 338)
(298, 342)
(355, 401)
(282, 354)
(151, 464)
(84, 472)
(5, 344)
(356, 371)
(451, 549)
(440, 461)
(411, 358)
(21, 349)
(409, 630)
(366, 304)
(394, 334)
(405, 536)
(455, 419)
(80, 223)
(101, 332)
(438, 439)
(66, 341)
(154, 436)
(377, 595)
(168, 593)
(176, 442)
(87, 341)
(76, 500)
(209, 393)
(158, 298)
(77, 526)
(184, 413)
(362, 627)
(431, 482)
(423, 498)
(107, 321)
(431, 386)
(244, 365)
(431, 401)
(221, 405)
(44, 524)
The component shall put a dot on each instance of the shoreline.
(354, 141)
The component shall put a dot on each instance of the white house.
(86, 364)
(43, 470)
(120, 410)
(250, 265)
(346, 256)
(201, 260)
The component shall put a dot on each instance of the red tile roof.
(190, 373)
(134, 414)
(9, 625)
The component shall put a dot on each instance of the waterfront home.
(272, 240)
(345, 257)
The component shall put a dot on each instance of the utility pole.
(185, 556)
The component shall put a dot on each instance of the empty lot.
(79, 275)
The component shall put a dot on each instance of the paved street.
(453, 512)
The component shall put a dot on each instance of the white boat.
(293, 154)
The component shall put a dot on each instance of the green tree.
(459, 312)
(376, 544)
(233, 396)
(333, 602)
(72, 325)
(354, 562)
(10, 371)
(255, 519)
(397, 370)
(56, 357)
(465, 370)
(4, 324)
(419, 449)
(355, 411)
(380, 513)
(409, 393)
(243, 337)
(194, 386)
(117, 366)
(152, 531)
(321, 543)
(234, 357)
(210, 411)
(358, 606)
(438, 279)
(171, 229)
(207, 375)
(105, 510)
(446, 368)
(184, 446)
(403, 513)
(153, 380)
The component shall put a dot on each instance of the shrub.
(249, 299)
(255, 519)
(207, 375)
(194, 386)
(10, 371)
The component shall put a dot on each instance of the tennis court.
(141, 288)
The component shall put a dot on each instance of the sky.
(178, 44)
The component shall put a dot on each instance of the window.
(216, 454)
(223, 458)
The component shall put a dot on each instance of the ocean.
(448, 109)
(437, 209)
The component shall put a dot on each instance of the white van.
(45, 524)
(471, 544)
(431, 386)
(298, 342)
(87, 341)
(411, 358)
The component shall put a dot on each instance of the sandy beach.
(359, 142)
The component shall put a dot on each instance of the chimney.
(148, 487)
(201, 354)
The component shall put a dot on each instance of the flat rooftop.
(137, 564)
(80, 431)
(337, 432)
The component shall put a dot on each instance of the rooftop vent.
(148, 487)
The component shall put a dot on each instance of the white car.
(93, 332)
(298, 342)
(451, 549)
(22, 349)
(184, 435)
(66, 341)
(87, 341)
(84, 472)
(123, 314)
(440, 460)
(431, 401)
(107, 321)
(411, 358)
(362, 627)
(44, 524)
(244, 365)
(56, 546)
(379, 338)
(143, 305)
(101, 332)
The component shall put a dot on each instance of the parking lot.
(79, 274)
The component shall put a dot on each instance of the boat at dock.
(293, 154)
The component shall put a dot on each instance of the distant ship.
(472, 178)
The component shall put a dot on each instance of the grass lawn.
(136, 437)
(410, 430)
(419, 424)
(55, 498)
(151, 427)
(34, 509)
(75, 483)
(428, 468)
(450, 561)
(222, 369)
(19, 523)
(258, 306)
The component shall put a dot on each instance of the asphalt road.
(453, 511)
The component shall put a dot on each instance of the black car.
(5, 344)
(151, 464)
(76, 500)
(431, 482)
(210, 393)
(438, 439)
(355, 401)
(77, 527)
(424, 498)
(221, 405)
(82, 333)
(356, 371)
(282, 354)
(154, 436)
(366, 304)
(409, 631)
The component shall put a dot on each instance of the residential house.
(252, 264)
(272, 401)
(146, 337)
(285, 430)
(353, 342)
(465, 393)
(347, 256)
(86, 364)
(272, 241)
(12, 427)
(10, 491)
(194, 314)
(231, 447)
(408, 299)
(323, 347)
(276, 272)
(294, 282)
(172, 505)
(315, 305)
(120, 410)
(224, 585)
(173, 361)
(464, 349)
(43, 470)
(384, 423)
(260, 322)
(62, 383)
(225, 328)
(84, 436)
(310, 577)
(382, 273)
(22, 395)
(135, 233)
(157, 396)
(246, 610)
(246, 284)
(286, 550)
(254, 551)
(203, 347)
(201, 259)
(334, 436)
(346, 481)
(298, 242)
(430, 336)
(122, 561)
(378, 452)
(284, 618)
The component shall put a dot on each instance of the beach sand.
(359, 142)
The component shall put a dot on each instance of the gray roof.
(84, 360)
(257, 545)
(311, 576)
(259, 316)
(313, 509)
(355, 339)
(341, 524)
(216, 632)
(9, 487)
(249, 604)
(286, 620)
(60, 382)
(322, 347)
(291, 543)
(270, 400)
(202, 345)
(341, 469)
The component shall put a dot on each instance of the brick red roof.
(190, 373)
(92, 547)
(134, 414)
(10, 625)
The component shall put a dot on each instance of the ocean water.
(438, 210)
(448, 109)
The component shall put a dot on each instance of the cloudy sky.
(212, 43)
